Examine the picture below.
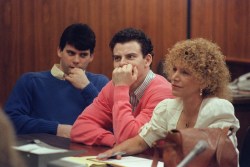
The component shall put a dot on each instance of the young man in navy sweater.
(50, 101)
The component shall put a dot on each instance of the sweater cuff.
(89, 92)
(49, 127)
(108, 140)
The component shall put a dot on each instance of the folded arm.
(94, 125)
(127, 123)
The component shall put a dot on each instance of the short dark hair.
(79, 35)
(132, 34)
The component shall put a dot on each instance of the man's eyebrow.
(129, 54)
(69, 50)
(116, 56)
(84, 51)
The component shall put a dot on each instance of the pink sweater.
(109, 119)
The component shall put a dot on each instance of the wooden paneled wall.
(226, 22)
(30, 29)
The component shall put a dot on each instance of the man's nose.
(123, 62)
(76, 58)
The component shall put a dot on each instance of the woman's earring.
(201, 92)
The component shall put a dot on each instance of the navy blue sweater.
(39, 101)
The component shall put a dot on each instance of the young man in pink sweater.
(126, 103)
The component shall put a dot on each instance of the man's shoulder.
(160, 80)
(159, 86)
(34, 75)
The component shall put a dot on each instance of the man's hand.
(64, 130)
(125, 75)
(77, 78)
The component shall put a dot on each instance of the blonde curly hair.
(205, 61)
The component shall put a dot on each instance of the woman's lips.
(176, 86)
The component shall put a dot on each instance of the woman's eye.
(185, 72)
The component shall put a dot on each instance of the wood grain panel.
(30, 31)
(225, 22)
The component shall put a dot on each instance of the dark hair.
(81, 36)
(131, 34)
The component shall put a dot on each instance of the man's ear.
(148, 60)
(59, 52)
(91, 57)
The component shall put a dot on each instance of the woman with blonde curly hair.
(206, 62)
(199, 79)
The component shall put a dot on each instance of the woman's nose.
(175, 76)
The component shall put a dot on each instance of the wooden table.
(61, 142)
(65, 143)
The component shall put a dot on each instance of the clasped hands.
(125, 75)
(77, 78)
